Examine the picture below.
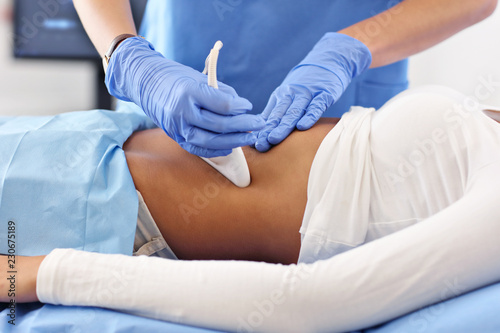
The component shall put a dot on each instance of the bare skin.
(21, 285)
(204, 216)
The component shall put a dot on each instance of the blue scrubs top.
(264, 39)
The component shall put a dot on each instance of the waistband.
(148, 239)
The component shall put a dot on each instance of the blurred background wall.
(461, 61)
(40, 87)
(29, 87)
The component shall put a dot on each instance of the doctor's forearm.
(416, 25)
(104, 20)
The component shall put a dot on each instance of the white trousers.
(452, 249)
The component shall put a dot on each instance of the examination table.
(476, 311)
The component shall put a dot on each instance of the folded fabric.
(64, 181)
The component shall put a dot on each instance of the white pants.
(148, 239)
(453, 197)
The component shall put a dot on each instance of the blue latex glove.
(312, 87)
(204, 121)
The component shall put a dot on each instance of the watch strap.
(114, 44)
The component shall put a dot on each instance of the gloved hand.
(204, 121)
(312, 87)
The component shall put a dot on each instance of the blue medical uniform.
(264, 39)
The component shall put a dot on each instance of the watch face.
(52, 29)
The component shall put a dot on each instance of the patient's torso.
(204, 216)
(416, 156)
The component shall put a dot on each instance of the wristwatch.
(114, 44)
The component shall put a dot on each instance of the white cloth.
(379, 172)
(452, 249)
(338, 192)
(148, 239)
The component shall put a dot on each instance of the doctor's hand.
(204, 121)
(312, 87)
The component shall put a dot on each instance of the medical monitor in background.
(51, 29)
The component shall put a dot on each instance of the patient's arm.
(445, 255)
(18, 278)
(448, 254)
(204, 216)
